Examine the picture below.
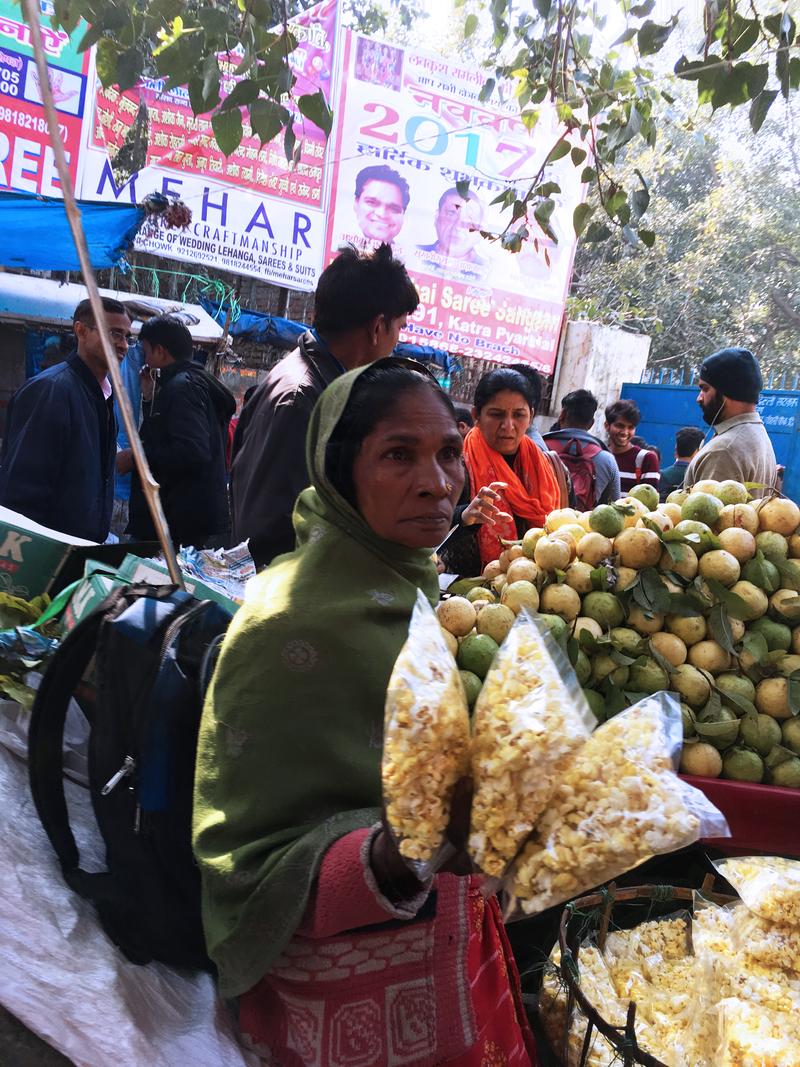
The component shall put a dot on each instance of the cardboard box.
(30, 554)
(134, 569)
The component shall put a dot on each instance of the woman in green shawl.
(339, 956)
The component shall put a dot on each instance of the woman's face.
(408, 473)
(503, 421)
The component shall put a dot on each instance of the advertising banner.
(410, 130)
(27, 163)
(252, 214)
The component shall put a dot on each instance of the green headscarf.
(290, 742)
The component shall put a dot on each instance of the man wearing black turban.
(730, 384)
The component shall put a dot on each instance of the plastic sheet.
(618, 804)
(425, 742)
(530, 718)
(64, 979)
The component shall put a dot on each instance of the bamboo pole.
(149, 484)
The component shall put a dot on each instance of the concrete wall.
(598, 358)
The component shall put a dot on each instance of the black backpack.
(138, 667)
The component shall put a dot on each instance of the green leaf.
(640, 201)
(267, 119)
(651, 594)
(734, 604)
(487, 90)
(686, 605)
(561, 149)
(712, 729)
(600, 579)
(106, 62)
(243, 94)
(577, 155)
(794, 693)
(588, 174)
(543, 7)
(227, 127)
(463, 190)
(756, 646)
(760, 107)
(720, 627)
(470, 25)
(289, 142)
(652, 37)
(778, 755)
(710, 712)
(640, 10)
(580, 217)
(315, 108)
(623, 38)
(662, 661)
(647, 237)
(598, 231)
(741, 705)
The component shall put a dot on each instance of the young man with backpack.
(592, 468)
(636, 464)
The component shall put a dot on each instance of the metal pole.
(149, 484)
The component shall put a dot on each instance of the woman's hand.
(395, 877)
(483, 508)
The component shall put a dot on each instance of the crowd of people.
(348, 469)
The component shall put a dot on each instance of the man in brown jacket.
(360, 307)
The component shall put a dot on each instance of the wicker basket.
(595, 911)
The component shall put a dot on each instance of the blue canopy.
(283, 333)
(36, 233)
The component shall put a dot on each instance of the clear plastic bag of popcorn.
(768, 944)
(425, 741)
(567, 1035)
(754, 1036)
(768, 886)
(529, 719)
(728, 968)
(618, 804)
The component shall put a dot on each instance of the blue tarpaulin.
(36, 233)
(284, 333)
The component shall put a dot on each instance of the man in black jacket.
(57, 464)
(184, 434)
(360, 307)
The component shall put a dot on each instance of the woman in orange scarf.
(516, 486)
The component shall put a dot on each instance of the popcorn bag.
(768, 885)
(425, 742)
(618, 804)
(530, 718)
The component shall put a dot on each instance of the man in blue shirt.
(687, 443)
(592, 468)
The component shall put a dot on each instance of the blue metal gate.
(666, 408)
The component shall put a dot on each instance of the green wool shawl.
(290, 741)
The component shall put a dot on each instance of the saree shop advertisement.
(411, 131)
(251, 213)
(27, 164)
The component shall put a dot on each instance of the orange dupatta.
(531, 495)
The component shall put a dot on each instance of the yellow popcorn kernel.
(426, 738)
(527, 724)
(621, 796)
(768, 885)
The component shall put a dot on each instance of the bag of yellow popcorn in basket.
(768, 885)
(530, 717)
(618, 804)
(425, 741)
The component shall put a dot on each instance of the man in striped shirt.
(636, 465)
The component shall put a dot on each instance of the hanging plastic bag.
(530, 718)
(619, 803)
(425, 741)
(768, 886)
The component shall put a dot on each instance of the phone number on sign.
(35, 123)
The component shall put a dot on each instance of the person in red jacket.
(636, 465)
